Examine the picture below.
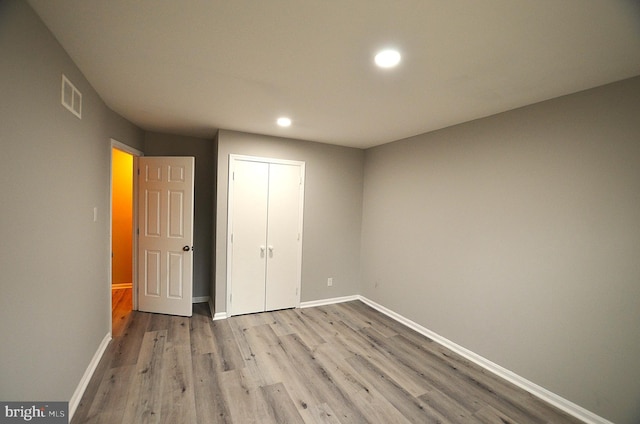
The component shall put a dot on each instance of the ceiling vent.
(71, 97)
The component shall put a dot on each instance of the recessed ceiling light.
(387, 58)
(284, 122)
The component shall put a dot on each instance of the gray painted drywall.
(54, 260)
(156, 144)
(518, 237)
(332, 211)
(515, 236)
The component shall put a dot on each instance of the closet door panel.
(249, 227)
(283, 236)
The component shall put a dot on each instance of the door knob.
(186, 248)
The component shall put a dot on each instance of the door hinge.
(137, 231)
(230, 297)
(138, 171)
(231, 237)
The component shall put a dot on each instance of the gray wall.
(518, 237)
(54, 260)
(332, 211)
(515, 236)
(156, 144)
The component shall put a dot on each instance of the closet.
(266, 198)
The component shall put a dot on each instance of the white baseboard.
(536, 390)
(309, 304)
(200, 299)
(219, 315)
(84, 381)
(330, 301)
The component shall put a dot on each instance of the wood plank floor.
(343, 363)
(121, 304)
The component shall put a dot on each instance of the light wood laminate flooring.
(343, 363)
(121, 304)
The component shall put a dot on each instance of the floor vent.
(71, 97)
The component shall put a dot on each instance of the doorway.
(122, 235)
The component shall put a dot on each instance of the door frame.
(233, 157)
(115, 144)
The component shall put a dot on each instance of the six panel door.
(165, 241)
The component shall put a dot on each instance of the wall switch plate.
(330, 281)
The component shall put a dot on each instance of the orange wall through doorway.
(122, 217)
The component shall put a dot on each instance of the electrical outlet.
(330, 281)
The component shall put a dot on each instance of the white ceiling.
(192, 66)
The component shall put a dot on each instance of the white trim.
(219, 315)
(125, 148)
(536, 390)
(312, 303)
(84, 381)
(200, 299)
(551, 398)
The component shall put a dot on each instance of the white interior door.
(165, 243)
(284, 234)
(249, 181)
(265, 234)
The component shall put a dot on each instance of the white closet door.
(249, 225)
(283, 236)
(265, 234)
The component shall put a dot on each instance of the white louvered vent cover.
(71, 97)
